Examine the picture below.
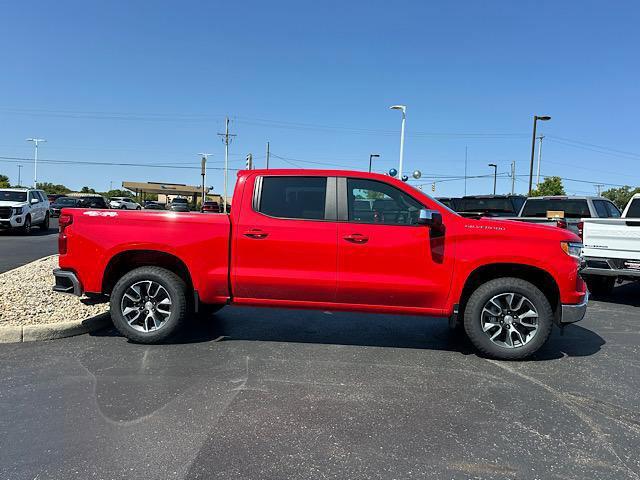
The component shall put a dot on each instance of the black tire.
(26, 227)
(483, 294)
(177, 292)
(44, 226)
(600, 286)
(123, 207)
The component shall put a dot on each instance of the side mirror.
(430, 218)
(34, 201)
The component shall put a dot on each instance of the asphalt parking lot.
(274, 394)
(17, 249)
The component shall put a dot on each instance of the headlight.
(572, 249)
(17, 210)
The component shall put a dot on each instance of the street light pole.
(35, 159)
(403, 109)
(495, 175)
(539, 160)
(371, 159)
(19, 172)
(543, 118)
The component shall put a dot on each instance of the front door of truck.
(384, 257)
(285, 243)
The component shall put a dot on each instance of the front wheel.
(26, 226)
(149, 304)
(508, 318)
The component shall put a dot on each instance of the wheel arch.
(537, 276)
(124, 262)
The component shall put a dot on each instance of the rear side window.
(634, 209)
(293, 197)
(571, 208)
(613, 210)
(601, 208)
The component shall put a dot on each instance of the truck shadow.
(340, 328)
(626, 294)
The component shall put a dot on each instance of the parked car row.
(561, 211)
(23, 208)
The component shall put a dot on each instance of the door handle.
(356, 238)
(256, 233)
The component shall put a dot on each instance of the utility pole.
(598, 187)
(371, 157)
(539, 160)
(36, 141)
(513, 177)
(268, 154)
(19, 171)
(249, 162)
(226, 138)
(465, 169)
(495, 176)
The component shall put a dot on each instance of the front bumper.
(16, 221)
(609, 267)
(67, 282)
(574, 313)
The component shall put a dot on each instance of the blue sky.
(151, 82)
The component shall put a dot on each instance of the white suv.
(124, 203)
(23, 208)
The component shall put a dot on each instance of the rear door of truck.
(285, 240)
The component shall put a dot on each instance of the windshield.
(12, 196)
(571, 208)
(65, 201)
(495, 205)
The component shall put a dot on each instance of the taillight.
(64, 221)
(580, 229)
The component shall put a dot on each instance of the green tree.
(53, 189)
(620, 196)
(4, 181)
(87, 190)
(550, 186)
(117, 193)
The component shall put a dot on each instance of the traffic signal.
(433, 187)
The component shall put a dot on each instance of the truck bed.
(96, 239)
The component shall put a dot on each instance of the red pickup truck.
(327, 239)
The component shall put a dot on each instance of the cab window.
(293, 197)
(370, 201)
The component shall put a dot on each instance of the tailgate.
(612, 238)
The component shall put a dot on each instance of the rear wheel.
(600, 286)
(149, 304)
(45, 224)
(508, 318)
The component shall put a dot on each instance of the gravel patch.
(26, 297)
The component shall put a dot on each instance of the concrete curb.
(51, 331)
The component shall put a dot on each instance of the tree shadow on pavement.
(346, 328)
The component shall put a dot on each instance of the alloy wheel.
(146, 306)
(509, 320)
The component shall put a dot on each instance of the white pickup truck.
(612, 248)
